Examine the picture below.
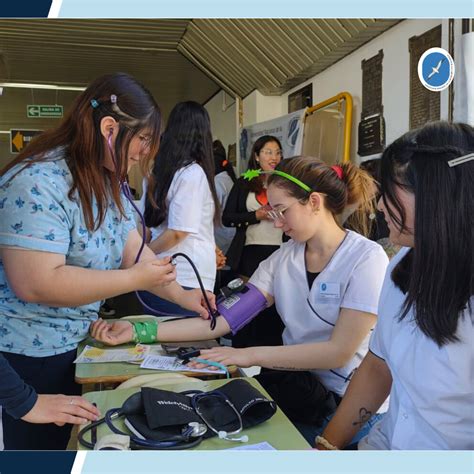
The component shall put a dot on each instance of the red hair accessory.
(338, 171)
(225, 163)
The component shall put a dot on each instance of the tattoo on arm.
(286, 368)
(364, 417)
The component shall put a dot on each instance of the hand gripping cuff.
(240, 308)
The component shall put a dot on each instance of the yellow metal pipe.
(347, 119)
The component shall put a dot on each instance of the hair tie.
(338, 170)
(94, 103)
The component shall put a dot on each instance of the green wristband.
(145, 332)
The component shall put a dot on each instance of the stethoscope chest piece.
(195, 429)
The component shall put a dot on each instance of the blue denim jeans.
(310, 432)
(163, 307)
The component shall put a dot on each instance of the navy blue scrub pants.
(48, 375)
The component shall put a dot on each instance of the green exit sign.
(44, 111)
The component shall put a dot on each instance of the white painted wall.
(256, 108)
(259, 107)
(221, 110)
(346, 75)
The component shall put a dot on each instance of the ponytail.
(345, 187)
(361, 192)
(220, 161)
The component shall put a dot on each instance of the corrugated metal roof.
(273, 55)
(74, 52)
(181, 59)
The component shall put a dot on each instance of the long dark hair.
(256, 185)
(221, 163)
(355, 187)
(437, 273)
(187, 139)
(80, 134)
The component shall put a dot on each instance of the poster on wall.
(288, 129)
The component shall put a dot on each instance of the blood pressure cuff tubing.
(160, 415)
(240, 308)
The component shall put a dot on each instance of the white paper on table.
(173, 364)
(263, 446)
(91, 354)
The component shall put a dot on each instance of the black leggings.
(49, 375)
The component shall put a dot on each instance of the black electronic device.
(186, 353)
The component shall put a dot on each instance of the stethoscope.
(128, 194)
(199, 396)
(191, 435)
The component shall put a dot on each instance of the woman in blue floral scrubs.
(68, 240)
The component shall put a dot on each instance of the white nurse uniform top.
(352, 279)
(432, 396)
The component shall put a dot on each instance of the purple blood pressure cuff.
(240, 308)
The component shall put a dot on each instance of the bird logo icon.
(436, 69)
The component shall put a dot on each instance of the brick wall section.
(372, 85)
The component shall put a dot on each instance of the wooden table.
(118, 372)
(278, 430)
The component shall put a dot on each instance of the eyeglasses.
(267, 152)
(278, 214)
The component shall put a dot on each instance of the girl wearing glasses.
(68, 240)
(256, 237)
(325, 283)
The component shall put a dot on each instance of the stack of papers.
(150, 357)
(173, 364)
(91, 354)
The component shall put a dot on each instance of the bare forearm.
(167, 240)
(191, 329)
(369, 388)
(321, 355)
(74, 286)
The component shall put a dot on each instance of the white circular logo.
(436, 69)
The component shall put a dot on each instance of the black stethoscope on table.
(192, 434)
(199, 396)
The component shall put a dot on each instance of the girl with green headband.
(324, 282)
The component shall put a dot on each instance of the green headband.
(251, 174)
